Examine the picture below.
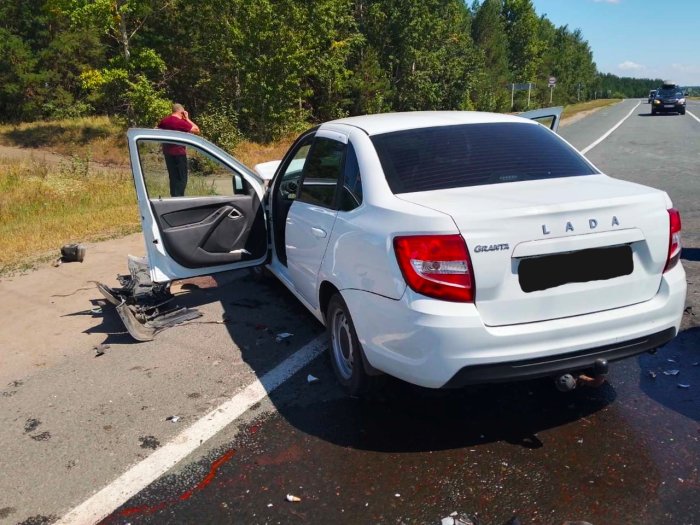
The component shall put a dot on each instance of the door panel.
(218, 225)
(206, 231)
(548, 117)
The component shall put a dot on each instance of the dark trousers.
(177, 171)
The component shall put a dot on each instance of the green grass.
(43, 207)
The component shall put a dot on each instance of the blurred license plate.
(668, 105)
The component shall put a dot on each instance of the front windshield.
(669, 93)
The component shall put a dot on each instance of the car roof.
(390, 122)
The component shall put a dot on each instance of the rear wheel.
(345, 349)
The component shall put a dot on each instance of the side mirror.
(685, 94)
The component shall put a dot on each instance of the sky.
(636, 38)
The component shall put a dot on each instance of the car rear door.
(218, 225)
(312, 215)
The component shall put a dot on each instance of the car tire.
(345, 350)
(653, 112)
(682, 112)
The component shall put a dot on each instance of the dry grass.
(43, 207)
(100, 139)
(573, 109)
(252, 153)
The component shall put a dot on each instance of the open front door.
(548, 117)
(201, 210)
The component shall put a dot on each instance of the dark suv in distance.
(669, 98)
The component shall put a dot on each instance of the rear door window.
(445, 157)
(322, 171)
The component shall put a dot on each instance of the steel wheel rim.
(343, 353)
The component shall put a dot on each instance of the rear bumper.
(550, 366)
(438, 344)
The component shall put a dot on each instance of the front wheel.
(345, 349)
(682, 112)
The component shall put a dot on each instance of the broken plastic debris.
(683, 385)
(292, 498)
(96, 310)
(174, 419)
(671, 372)
(456, 519)
(397, 495)
(652, 374)
(282, 336)
(312, 379)
(100, 349)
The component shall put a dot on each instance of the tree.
(525, 47)
(488, 32)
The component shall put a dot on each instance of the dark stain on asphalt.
(39, 520)
(194, 395)
(9, 393)
(6, 511)
(16, 383)
(149, 442)
(44, 436)
(247, 303)
(31, 425)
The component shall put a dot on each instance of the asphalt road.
(623, 454)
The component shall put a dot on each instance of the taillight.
(674, 240)
(437, 266)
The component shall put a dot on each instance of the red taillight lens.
(674, 241)
(437, 266)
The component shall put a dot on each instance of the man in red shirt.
(175, 154)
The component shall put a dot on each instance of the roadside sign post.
(520, 87)
(552, 83)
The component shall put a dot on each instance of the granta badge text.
(490, 248)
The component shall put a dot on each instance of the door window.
(174, 170)
(322, 171)
(351, 192)
(289, 185)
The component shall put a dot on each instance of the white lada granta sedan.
(442, 248)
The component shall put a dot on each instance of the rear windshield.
(444, 157)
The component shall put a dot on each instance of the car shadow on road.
(690, 254)
(399, 416)
(671, 377)
(657, 114)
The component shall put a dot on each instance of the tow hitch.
(145, 307)
(594, 377)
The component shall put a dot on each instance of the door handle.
(318, 232)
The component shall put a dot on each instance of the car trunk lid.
(557, 248)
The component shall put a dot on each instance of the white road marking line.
(107, 500)
(609, 132)
(689, 113)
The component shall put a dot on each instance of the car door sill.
(284, 279)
